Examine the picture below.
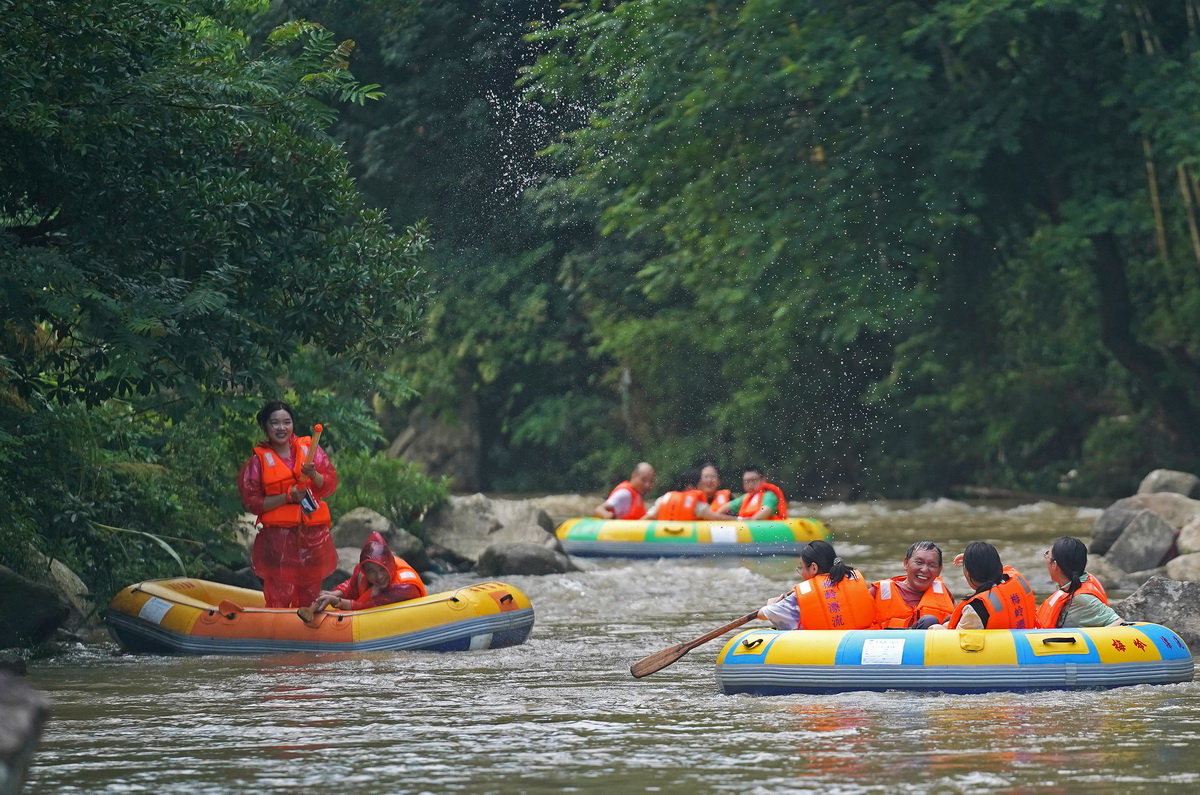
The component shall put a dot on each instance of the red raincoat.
(405, 583)
(291, 560)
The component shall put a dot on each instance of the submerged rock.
(466, 526)
(505, 559)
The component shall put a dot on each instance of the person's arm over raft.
(380, 578)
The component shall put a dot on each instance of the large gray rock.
(503, 559)
(561, 507)
(352, 529)
(23, 713)
(1168, 602)
(1189, 537)
(1176, 509)
(30, 611)
(466, 526)
(1185, 567)
(1169, 480)
(1143, 544)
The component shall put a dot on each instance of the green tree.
(926, 225)
(175, 214)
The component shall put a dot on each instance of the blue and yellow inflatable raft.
(774, 662)
(189, 616)
(638, 538)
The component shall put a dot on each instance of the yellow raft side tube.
(768, 661)
(192, 616)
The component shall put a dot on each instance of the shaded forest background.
(882, 249)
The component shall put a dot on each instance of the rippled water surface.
(561, 712)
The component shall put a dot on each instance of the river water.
(561, 713)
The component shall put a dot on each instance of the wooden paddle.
(661, 659)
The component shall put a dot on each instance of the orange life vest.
(637, 508)
(1055, 605)
(402, 574)
(892, 611)
(823, 605)
(680, 506)
(722, 498)
(1009, 605)
(278, 478)
(752, 502)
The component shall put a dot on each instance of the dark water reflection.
(562, 714)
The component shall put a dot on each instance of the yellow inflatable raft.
(771, 662)
(662, 539)
(198, 617)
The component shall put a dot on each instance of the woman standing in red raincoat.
(293, 551)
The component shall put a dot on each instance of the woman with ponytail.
(1002, 599)
(1080, 600)
(832, 595)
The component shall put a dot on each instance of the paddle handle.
(661, 659)
(312, 450)
(716, 633)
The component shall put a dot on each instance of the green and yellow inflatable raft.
(665, 539)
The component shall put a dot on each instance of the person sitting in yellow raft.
(762, 500)
(628, 499)
(686, 503)
(917, 599)
(1002, 598)
(380, 578)
(832, 595)
(1080, 600)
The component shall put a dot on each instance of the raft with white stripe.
(190, 616)
(776, 662)
(641, 538)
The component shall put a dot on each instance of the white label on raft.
(154, 609)
(723, 533)
(882, 651)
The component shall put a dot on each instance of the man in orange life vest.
(628, 499)
(918, 598)
(762, 500)
(687, 503)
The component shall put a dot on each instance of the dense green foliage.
(178, 234)
(880, 247)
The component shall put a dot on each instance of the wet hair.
(922, 546)
(822, 554)
(273, 406)
(688, 479)
(1071, 556)
(752, 468)
(982, 562)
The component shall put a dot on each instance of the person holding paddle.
(832, 595)
(285, 482)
